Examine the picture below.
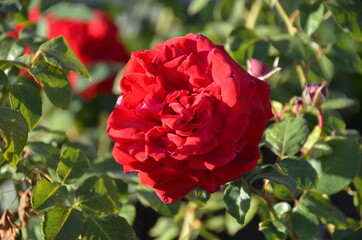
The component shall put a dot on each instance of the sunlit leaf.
(25, 97)
(14, 133)
(54, 82)
(47, 194)
(237, 199)
(72, 165)
(285, 138)
(111, 227)
(62, 223)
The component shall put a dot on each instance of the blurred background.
(103, 33)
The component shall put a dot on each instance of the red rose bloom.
(188, 117)
(93, 41)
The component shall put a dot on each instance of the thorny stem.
(320, 118)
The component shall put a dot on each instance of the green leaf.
(150, 199)
(196, 6)
(55, 83)
(320, 149)
(58, 53)
(10, 49)
(348, 16)
(291, 47)
(25, 97)
(337, 170)
(240, 42)
(273, 230)
(311, 17)
(62, 223)
(99, 195)
(237, 199)
(305, 224)
(269, 172)
(281, 208)
(345, 61)
(314, 203)
(72, 165)
(285, 138)
(112, 227)
(47, 194)
(338, 103)
(301, 171)
(3, 78)
(14, 133)
(46, 152)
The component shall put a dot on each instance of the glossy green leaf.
(338, 103)
(291, 47)
(273, 230)
(271, 173)
(58, 53)
(150, 199)
(281, 208)
(99, 195)
(62, 223)
(47, 194)
(72, 165)
(285, 138)
(14, 133)
(25, 97)
(3, 78)
(305, 224)
(337, 170)
(322, 208)
(54, 82)
(111, 227)
(237, 199)
(301, 171)
(231, 224)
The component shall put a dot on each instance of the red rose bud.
(189, 116)
(261, 70)
(315, 94)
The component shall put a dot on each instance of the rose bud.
(315, 94)
(261, 70)
(189, 116)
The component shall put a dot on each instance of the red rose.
(93, 41)
(188, 117)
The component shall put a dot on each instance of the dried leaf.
(24, 209)
(8, 228)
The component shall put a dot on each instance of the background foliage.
(58, 179)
